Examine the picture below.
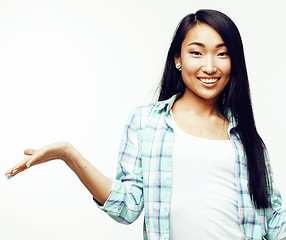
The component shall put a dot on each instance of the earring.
(178, 66)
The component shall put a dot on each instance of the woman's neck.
(200, 117)
(190, 102)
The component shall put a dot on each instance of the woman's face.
(205, 63)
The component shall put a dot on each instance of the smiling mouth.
(209, 80)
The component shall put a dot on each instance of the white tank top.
(204, 193)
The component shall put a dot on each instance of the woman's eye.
(223, 54)
(196, 53)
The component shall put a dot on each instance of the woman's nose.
(209, 66)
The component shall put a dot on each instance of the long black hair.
(236, 95)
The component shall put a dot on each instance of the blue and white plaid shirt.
(144, 179)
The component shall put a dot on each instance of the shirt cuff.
(115, 202)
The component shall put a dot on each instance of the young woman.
(194, 159)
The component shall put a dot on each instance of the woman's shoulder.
(149, 113)
(158, 106)
(144, 110)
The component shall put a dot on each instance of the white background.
(73, 70)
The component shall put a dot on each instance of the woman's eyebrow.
(203, 45)
(197, 43)
(221, 45)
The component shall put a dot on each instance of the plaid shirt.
(144, 179)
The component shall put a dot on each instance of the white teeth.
(208, 80)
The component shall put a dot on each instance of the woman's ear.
(177, 61)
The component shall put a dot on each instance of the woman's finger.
(33, 159)
(45, 154)
(30, 151)
(17, 169)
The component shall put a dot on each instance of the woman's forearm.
(97, 184)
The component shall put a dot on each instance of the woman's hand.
(50, 152)
(98, 185)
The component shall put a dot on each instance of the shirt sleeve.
(125, 202)
(276, 216)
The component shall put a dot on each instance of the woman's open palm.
(35, 157)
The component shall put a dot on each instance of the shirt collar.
(231, 119)
(167, 104)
